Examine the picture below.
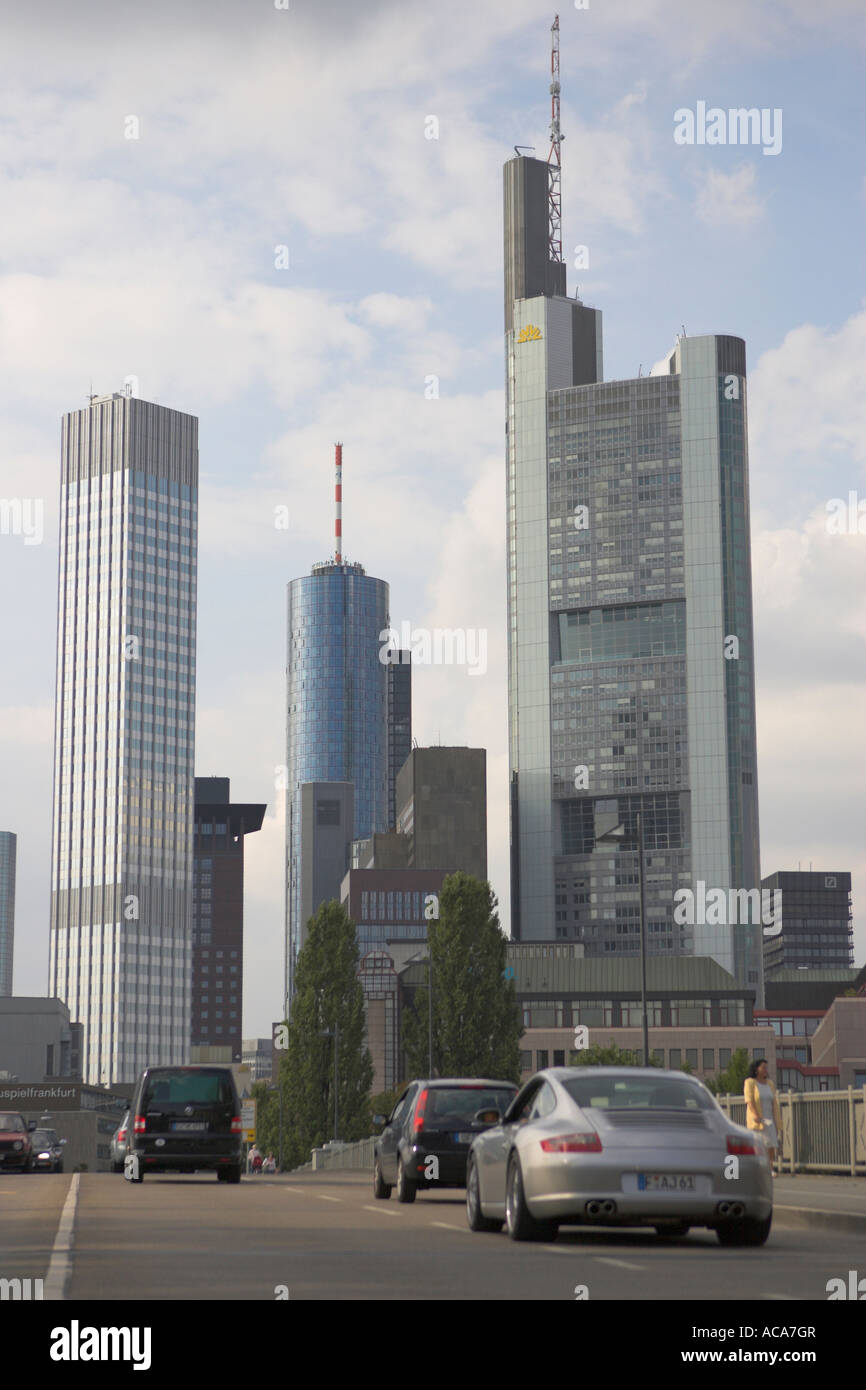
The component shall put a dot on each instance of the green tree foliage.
(610, 1056)
(730, 1082)
(328, 993)
(267, 1118)
(476, 1020)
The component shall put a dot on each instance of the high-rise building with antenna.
(341, 724)
(630, 652)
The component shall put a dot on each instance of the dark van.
(185, 1119)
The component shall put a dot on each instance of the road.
(322, 1236)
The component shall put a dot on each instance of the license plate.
(667, 1182)
(465, 1137)
(187, 1127)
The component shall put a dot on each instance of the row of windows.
(711, 1059)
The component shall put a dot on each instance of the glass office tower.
(631, 675)
(124, 733)
(8, 847)
(337, 724)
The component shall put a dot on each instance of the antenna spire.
(338, 501)
(554, 161)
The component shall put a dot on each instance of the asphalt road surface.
(324, 1236)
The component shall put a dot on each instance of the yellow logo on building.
(529, 334)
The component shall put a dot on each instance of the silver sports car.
(618, 1146)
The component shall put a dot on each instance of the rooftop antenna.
(518, 148)
(683, 327)
(554, 162)
(338, 501)
(92, 396)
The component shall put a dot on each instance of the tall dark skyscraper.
(220, 830)
(631, 675)
(121, 903)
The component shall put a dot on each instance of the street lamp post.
(616, 834)
(335, 1034)
(279, 1090)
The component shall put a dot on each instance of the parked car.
(427, 1136)
(119, 1145)
(16, 1148)
(619, 1146)
(186, 1120)
(47, 1150)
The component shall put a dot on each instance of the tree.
(476, 1020)
(267, 1118)
(730, 1082)
(611, 1056)
(329, 995)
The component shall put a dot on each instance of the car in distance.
(47, 1150)
(619, 1146)
(119, 1141)
(16, 1149)
(427, 1136)
(186, 1119)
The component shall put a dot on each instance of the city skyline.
(344, 340)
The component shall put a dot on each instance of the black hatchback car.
(47, 1150)
(184, 1120)
(427, 1136)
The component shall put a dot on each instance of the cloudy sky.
(306, 128)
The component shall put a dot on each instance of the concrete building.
(220, 829)
(121, 909)
(706, 1051)
(8, 852)
(442, 809)
(631, 681)
(819, 1049)
(38, 1039)
(258, 1055)
(814, 990)
(399, 723)
(327, 826)
(814, 911)
(85, 1116)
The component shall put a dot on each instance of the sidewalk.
(814, 1199)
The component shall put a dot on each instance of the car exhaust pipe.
(737, 1209)
(593, 1208)
(608, 1208)
(724, 1208)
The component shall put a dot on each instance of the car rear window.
(462, 1102)
(12, 1124)
(637, 1092)
(184, 1087)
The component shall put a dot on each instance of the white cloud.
(729, 200)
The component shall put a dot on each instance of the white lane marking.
(324, 1198)
(301, 1191)
(620, 1264)
(780, 1297)
(384, 1210)
(446, 1226)
(60, 1265)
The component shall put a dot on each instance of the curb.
(817, 1217)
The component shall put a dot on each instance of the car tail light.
(420, 1104)
(121, 1136)
(236, 1124)
(736, 1145)
(588, 1143)
(139, 1125)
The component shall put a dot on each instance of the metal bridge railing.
(822, 1131)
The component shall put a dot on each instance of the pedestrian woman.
(762, 1109)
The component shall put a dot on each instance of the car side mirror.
(64, 1141)
(380, 1119)
(487, 1117)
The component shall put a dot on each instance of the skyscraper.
(337, 718)
(220, 830)
(124, 733)
(8, 849)
(631, 677)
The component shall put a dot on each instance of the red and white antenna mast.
(338, 500)
(554, 161)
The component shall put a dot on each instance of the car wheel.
(673, 1229)
(381, 1189)
(474, 1215)
(406, 1188)
(748, 1231)
(521, 1224)
(232, 1174)
(59, 1168)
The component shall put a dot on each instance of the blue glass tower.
(337, 715)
